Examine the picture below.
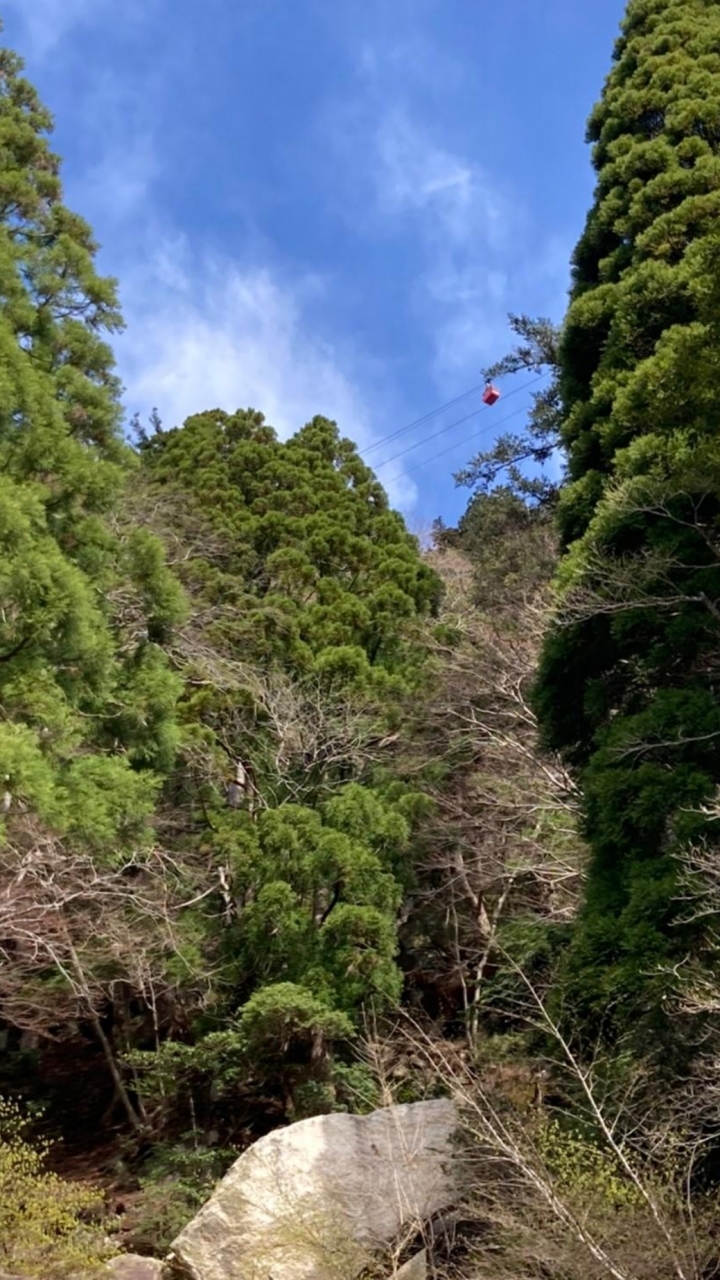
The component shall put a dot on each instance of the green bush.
(175, 1183)
(48, 1227)
(584, 1169)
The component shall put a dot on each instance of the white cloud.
(202, 330)
(46, 22)
(413, 173)
(463, 229)
(208, 334)
(414, 176)
(117, 188)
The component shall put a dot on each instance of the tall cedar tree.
(628, 681)
(86, 694)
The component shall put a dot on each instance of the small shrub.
(584, 1170)
(175, 1184)
(356, 1088)
(47, 1230)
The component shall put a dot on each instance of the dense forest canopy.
(297, 816)
(627, 678)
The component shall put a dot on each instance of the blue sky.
(326, 206)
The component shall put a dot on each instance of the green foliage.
(175, 1183)
(46, 1231)
(88, 697)
(509, 543)
(301, 653)
(281, 1040)
(75, 682)
(320, 572)
(277, 1015)
(321, 897)
(585, 1170)
(354, 1088)
(626, 683)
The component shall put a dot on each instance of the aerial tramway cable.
(443, 452)
(457, 423)
(418, 422)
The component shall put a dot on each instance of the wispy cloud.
(419, 175)
(118, 188)
(408, 178)
(203, 329)
(413, 173)
(206, 333)
(46, 22)
(463, 226)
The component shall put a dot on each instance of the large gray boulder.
(130, 1266)
(314, 1200)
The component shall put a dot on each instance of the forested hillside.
(298, 816)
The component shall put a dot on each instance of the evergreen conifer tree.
(84, 694)
(304, 650)
(628, 682)
(87, 699)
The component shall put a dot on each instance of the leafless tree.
(503, 840)
(601, 1189)
(78, 939)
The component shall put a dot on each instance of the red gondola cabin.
(491, 395)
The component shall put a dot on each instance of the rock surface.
(415, 1269)
(130, 1266)
(314, 1199)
